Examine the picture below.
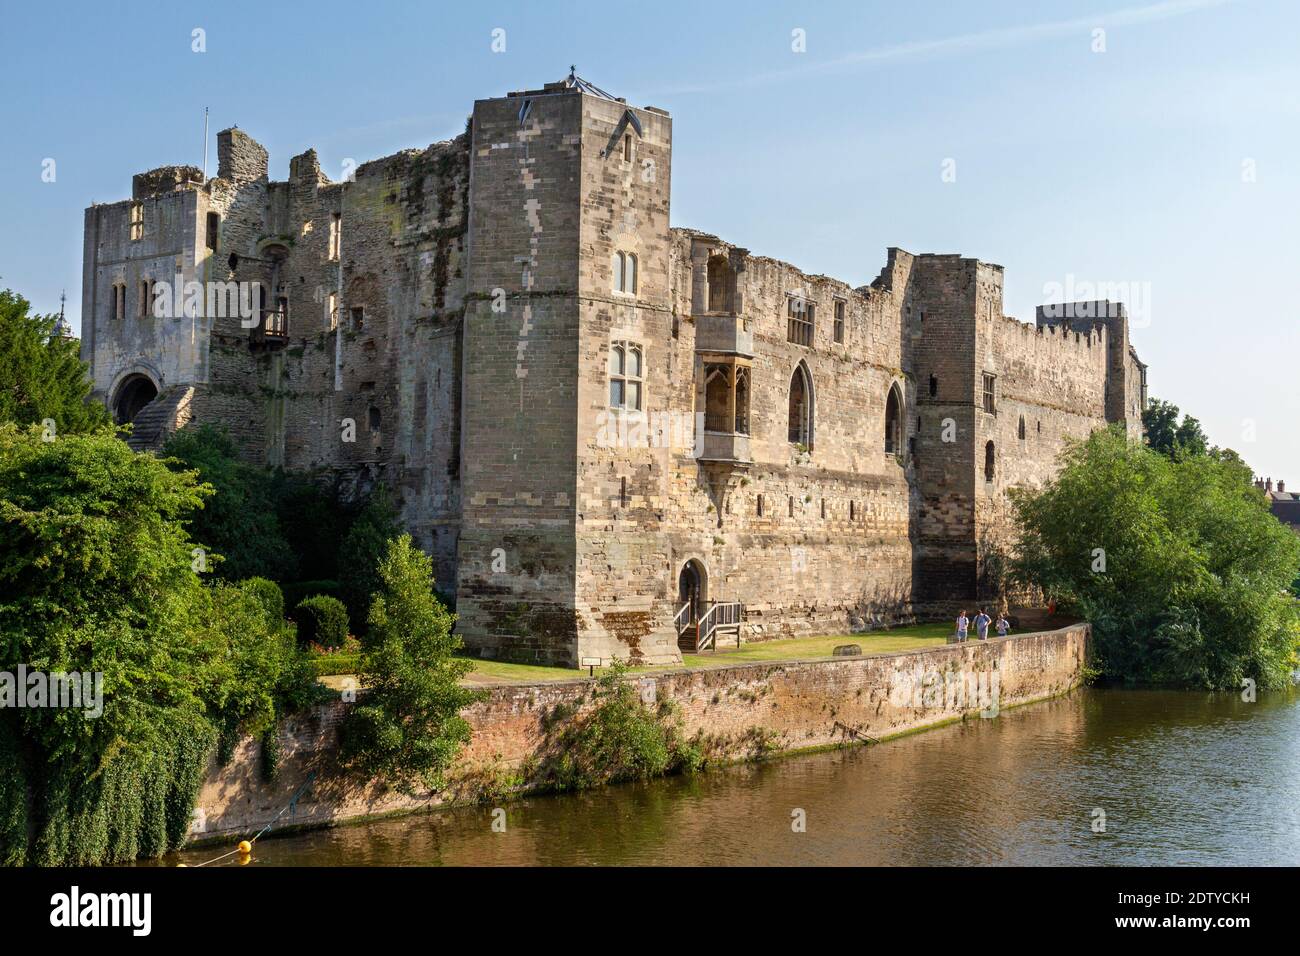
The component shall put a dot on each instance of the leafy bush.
(268, 594)
(1193, 590)
(237, 523)
(619, 739)
(339, 660)
(266, 674)
(407, 726)
(321, 620)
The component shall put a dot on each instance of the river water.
(1181, 778)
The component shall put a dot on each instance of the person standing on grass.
(1003, 625)
(982, 622)
(963, 623)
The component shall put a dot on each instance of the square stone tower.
(562, 181)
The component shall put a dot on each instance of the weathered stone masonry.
(587, 415)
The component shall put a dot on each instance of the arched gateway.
(135, 392)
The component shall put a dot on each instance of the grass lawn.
(504, 672)
(805, 648)
(785, 649)
(795, 648)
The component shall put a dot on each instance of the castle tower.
(558, 185)
(943, 293)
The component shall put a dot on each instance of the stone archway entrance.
(692, 592)
(133, 394)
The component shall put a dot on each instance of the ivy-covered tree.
(41, 374)
(97, 576)
(407, 725)
(1176, 562)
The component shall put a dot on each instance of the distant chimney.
(1268, 484)
(1281, 486)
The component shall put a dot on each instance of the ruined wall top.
(164, 179)
(240, 158)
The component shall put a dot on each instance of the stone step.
(154, 423)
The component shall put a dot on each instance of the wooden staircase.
(723, 619)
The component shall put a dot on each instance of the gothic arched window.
(801, 407)
(893, 423)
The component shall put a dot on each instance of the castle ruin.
(606, 431)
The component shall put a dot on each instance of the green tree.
(1167, 435)
(41, 374)
(363, 547)
(312, 522)
(407, 725)
(1177, 563)
(97, 576)
(238, 523)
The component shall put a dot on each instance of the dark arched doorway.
(692, 592)
(132, 395)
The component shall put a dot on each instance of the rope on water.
(293, 801)
(216, 858)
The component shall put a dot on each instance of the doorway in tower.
(692, 599)
(132, 395)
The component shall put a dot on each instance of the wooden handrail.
(677, 621)
(719, 614)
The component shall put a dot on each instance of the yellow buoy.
(245, 846)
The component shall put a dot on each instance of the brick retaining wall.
(741, 710)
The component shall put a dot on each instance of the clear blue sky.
(1121, 166)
